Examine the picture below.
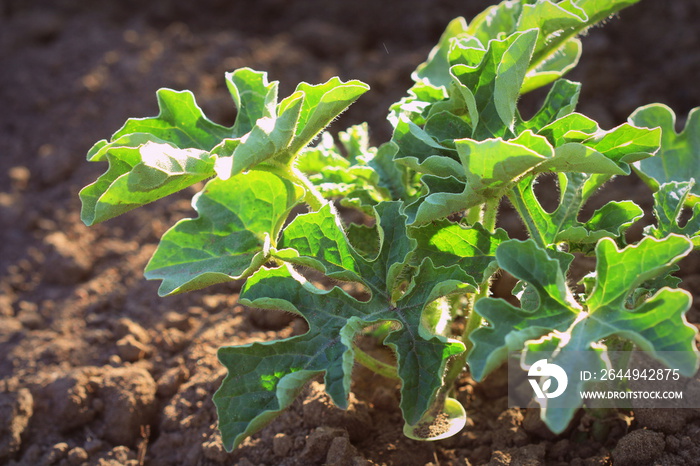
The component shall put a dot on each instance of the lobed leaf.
(656, 325)
(563, 225)
(509, 326)
(581, 146)
(669, 201)
(142, 169)
(473, 249)
(254, 97)
(491, 167)
(180, 122)
(553, 320)
(678, 159)
(238, 223)
(278, 138)
(264, 377)
(153, 157)
(367, 177)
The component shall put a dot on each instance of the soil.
(96, 369)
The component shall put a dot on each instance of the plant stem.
(312, 196)
(489, 214)
(515, 196)
(375, 365)
(474, 319)
(488, 220)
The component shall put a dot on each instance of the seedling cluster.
(431, 194)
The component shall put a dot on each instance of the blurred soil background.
(96, 369)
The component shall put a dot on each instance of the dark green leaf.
(264, 378)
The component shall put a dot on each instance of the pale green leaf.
(669, 202)
(656, 325)
(142, 169)
(180, 122)
(254, 97)
(563, 224)
(239, 219)
(447, 243)
(679, 157)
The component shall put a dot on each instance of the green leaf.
(562, 225)
(363, 239)
(491, 167)
(435, 70)
(142, 169)
(420, 98)
(582, 146)
(355, 141)
(495, 21)
(679, 157)
(418, 150)
(254, 97)
(553, 66)
(554, 320)
(491, 86)
(263, 378)
(557, 23)
(392, 176)
(317, 240)
(656, 325)
(269, 139)
(358, 182)
(561, 100)
(669, 201)
(557, 51)
(322, 104)
(509, 326)
(322, 156)
(238, 222)
(179, 122)
(278, 138)
(472, 248)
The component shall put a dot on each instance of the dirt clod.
(341, 452)
(129, 396)
(668, 420)
(170, 381)
(320, 410)
(130, 349)
(77, 456)
(71, 399)
(125, 327)
(66, 263)
(639, 447)
(282, 444)
(318, 443)
(16, 410)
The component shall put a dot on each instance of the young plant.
(432, 193)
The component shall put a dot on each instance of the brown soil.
(96, 369)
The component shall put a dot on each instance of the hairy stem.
(516, 198)
(375, 365)
(312, 196)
